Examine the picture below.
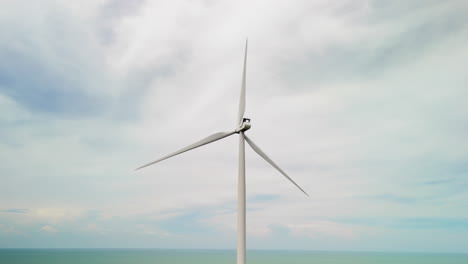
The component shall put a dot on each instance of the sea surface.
(176, 256)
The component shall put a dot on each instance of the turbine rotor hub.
(244, 126)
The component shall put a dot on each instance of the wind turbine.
(243, 124)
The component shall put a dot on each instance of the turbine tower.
(242, 125)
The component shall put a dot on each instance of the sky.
(363, 103)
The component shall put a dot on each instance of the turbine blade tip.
(141, 167)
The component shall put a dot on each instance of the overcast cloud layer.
(363, 103)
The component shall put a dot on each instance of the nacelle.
(245, 125)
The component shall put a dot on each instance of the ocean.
(177, 256)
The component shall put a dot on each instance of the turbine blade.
(242, 95)
(265, 157)
(197, 144)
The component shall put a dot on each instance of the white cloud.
(48, 228)
(320, 228)
(56, 215)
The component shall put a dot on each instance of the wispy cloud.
(395, 198)
(48, 228)
(439, 182)
(16, 211)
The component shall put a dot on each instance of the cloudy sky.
(363, 103)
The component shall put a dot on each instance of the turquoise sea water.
(163, 256)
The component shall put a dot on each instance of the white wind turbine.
(243, 124)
